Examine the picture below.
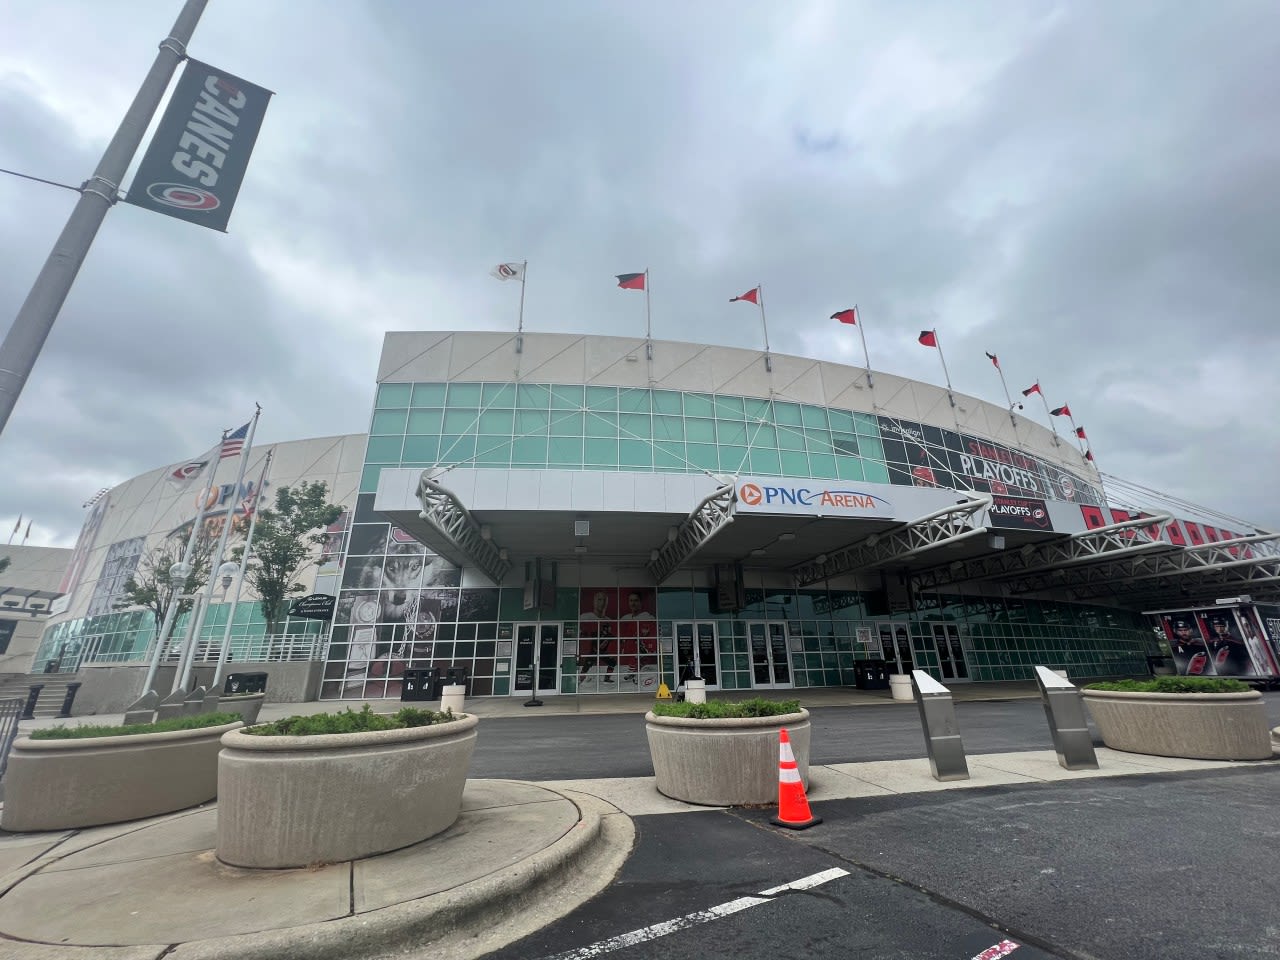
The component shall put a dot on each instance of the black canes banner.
(197, 159)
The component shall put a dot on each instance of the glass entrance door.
(951, 662)
(895, 644)
(770, 659)
(696, 653)
(537, 659)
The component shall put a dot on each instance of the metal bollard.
(1064, 708)
(29, 711)
(67, 700)
(941, 732)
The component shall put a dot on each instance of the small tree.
(283, 545)
(150, 585)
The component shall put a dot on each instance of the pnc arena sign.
(835, 498)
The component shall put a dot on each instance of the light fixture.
(996, 542)
(786, 536)
(582, 528)
(227, 571)
(820, 558)
(672, 533)
(502, 554)
(653, 556)
(179, 571)
(872, 540)
(580, 548)
(486, 533)
(758, 552)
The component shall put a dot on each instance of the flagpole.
(1007, 396)
(945, 374)
(180, 683)
(26, 533)
(524, 272)
(174, 600)
(244, 565)
(1052, 425)
(648, 325)
(26, 337)
(16, 527)
(768, 361)
(857, 316)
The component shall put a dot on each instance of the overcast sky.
(1086, 189)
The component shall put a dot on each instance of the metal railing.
(10, 714)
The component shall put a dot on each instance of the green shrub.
(1174, 685)
(724, 709)
(196, 722)
(349, 721)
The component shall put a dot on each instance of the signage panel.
(818, 498)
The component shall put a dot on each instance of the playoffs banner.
(1019, 513)
(197, 159)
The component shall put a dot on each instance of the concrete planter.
(61, 784)
(900, 686)
(295, 801)
(247, 705)
(727, 762)
(1204, 726)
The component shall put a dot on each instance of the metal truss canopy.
(937, 529)
(713, 513)
(443, 510)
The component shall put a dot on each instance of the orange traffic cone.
(793, 805)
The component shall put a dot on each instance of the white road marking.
(693, 919)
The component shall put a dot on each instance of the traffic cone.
(793, 805)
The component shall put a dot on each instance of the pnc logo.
(750, 494)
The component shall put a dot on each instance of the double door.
(537, 668)
(770, 658)
(696, 652)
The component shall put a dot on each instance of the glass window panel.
(700, 431)
(849, 468)
(841, 420)
(822, 465)
(667, 401)
(668, 456)
(460, 421)
(789, 438)
(384, 450)
(497, 422)
(425, 421)
(455, 449)
(421, 449)
(568, 397)
(369, 479)
(875, 472)
(765, 461)
(531, 421)
(567, 425)
(813, 416)
(428, 394)
(699, 405)
(602, 398)
(389, 421)
(635, 425)
(867, 425)
(668, 428)
(794, 464)
(464, 395)
(601, 451)
(731, 431)
(491, 451)
(634, 400)
(533, 396)
(762, 435)
(498, 395)
(756, 409)
(635, 453)
(870, 447)
(394, 395)
(819, 441)
(788, 413)
(529, 450)
(565, 451)
(703, 455)
(845, 443)
(733, 459)
(601, 424)
(729, 408)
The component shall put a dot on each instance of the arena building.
(562, 514)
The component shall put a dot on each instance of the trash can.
(245, 683)
(695, 690)
(456, 676)
(870, 675)
(420, 684)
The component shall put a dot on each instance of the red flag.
(1034, 388)
(750, 296)
(846, 316)
(995, 361)
(1088, 455)
(1062, 411)
(928, 338)
(631, 281)
(1080, 433)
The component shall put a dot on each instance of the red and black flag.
(631, 281)
(846, 316)
(1088, 455)
(1080, 433)
(995, 361)
(1062, 411)
(1034, 388)
(751, 296)
(928, 338)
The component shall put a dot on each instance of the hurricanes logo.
(182, 196)
(506, 270)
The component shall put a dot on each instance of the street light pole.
(25, 339)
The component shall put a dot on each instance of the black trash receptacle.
(872, 675)
(456, 675)
(420, 684)
(245, 683)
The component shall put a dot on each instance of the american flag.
(233, 443)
